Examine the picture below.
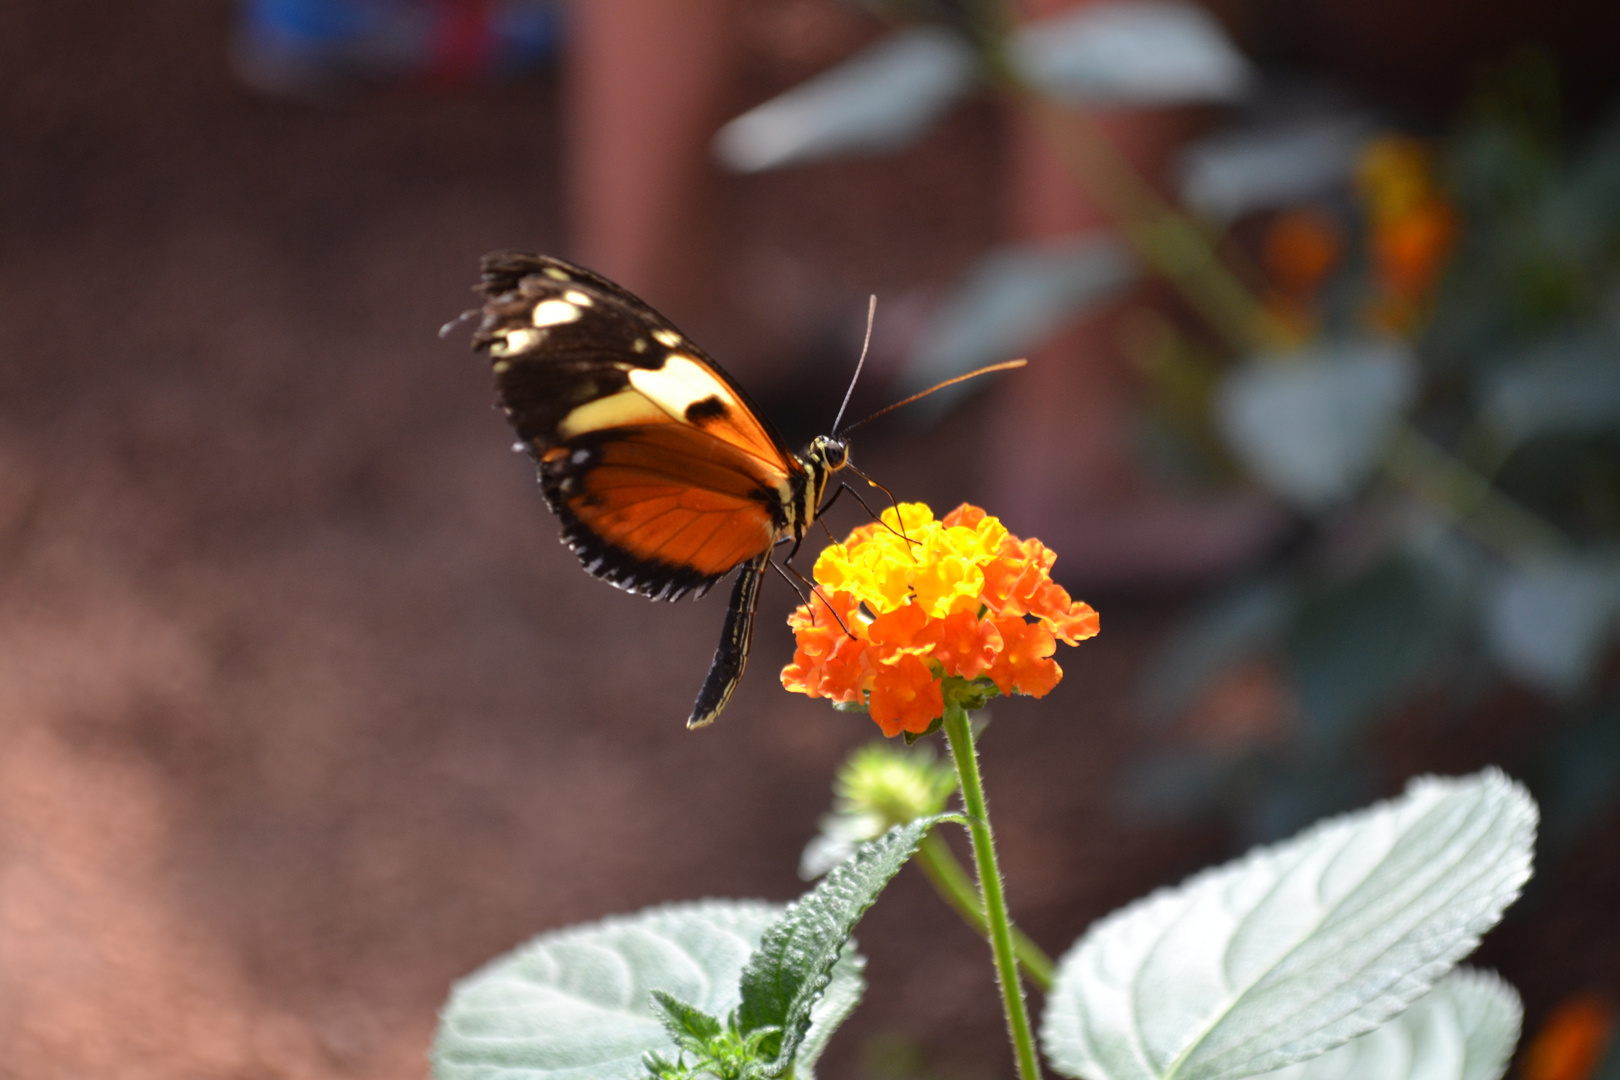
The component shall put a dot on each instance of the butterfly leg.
(804, 597)
(732, 655)
(843, 487)
(894, 502)
(805, 600)
(820, 519)
(796, 572)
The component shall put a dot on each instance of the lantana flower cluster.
(909, 603)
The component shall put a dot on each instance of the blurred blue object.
(305, 48)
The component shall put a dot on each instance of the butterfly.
(664, 474)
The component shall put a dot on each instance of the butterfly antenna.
(871, 314)
(1005, 365)
(450, 327)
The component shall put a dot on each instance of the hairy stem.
(939, 864)
(995, 902)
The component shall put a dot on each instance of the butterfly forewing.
(595, 348)
(664, 476)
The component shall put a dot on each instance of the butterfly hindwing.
(662, 472)
(654, 510)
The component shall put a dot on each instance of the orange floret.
(920, 606)
(908, 698)
(964, 644)
(827, 662)
(1412, 229)
(1025, 663)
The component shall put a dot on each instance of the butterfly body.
(664, 475)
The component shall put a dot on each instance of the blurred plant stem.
(966, 756)
(1187, 256)
(939, 864)
(1495, 520)
(1168, 241)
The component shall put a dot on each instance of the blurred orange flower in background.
(1412, 228)
(1572, 1041)
(1299, 249)
(909, 602)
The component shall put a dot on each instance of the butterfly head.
(825, 455)
(828, 452)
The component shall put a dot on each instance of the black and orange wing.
(664, 475)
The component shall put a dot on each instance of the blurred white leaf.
(1548, 624)
(1311, 427)
(840, 835)
(1463, 1029)
(1295, 948)
(1570, 387)
(1013, 299)
(1141, 52)
(883, 99)
(576, 1004)
(1231, 174)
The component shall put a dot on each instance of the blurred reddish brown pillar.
(647, 84)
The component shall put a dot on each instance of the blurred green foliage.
(1425, 369)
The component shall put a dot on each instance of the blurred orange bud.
(1572, 1041)
(1409, 251)
(1247, 705)
(1299, 249)
(1412, 229)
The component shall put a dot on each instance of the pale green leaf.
(1463, 1029)
(576, 1004)
(1232, 173)
(1295, 948)
(1311, 426)
(1548, 624)
(1011, 300)
(834, 1007)
(1564, 387)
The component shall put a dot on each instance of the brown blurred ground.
(303, 711)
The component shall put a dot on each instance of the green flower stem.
(939, 864)
(1175, 246)
(995, 903)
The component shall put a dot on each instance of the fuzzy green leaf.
(1011, 300)
(1145, 52)
(688, 1025)
(790, 970)
(1313, 425)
